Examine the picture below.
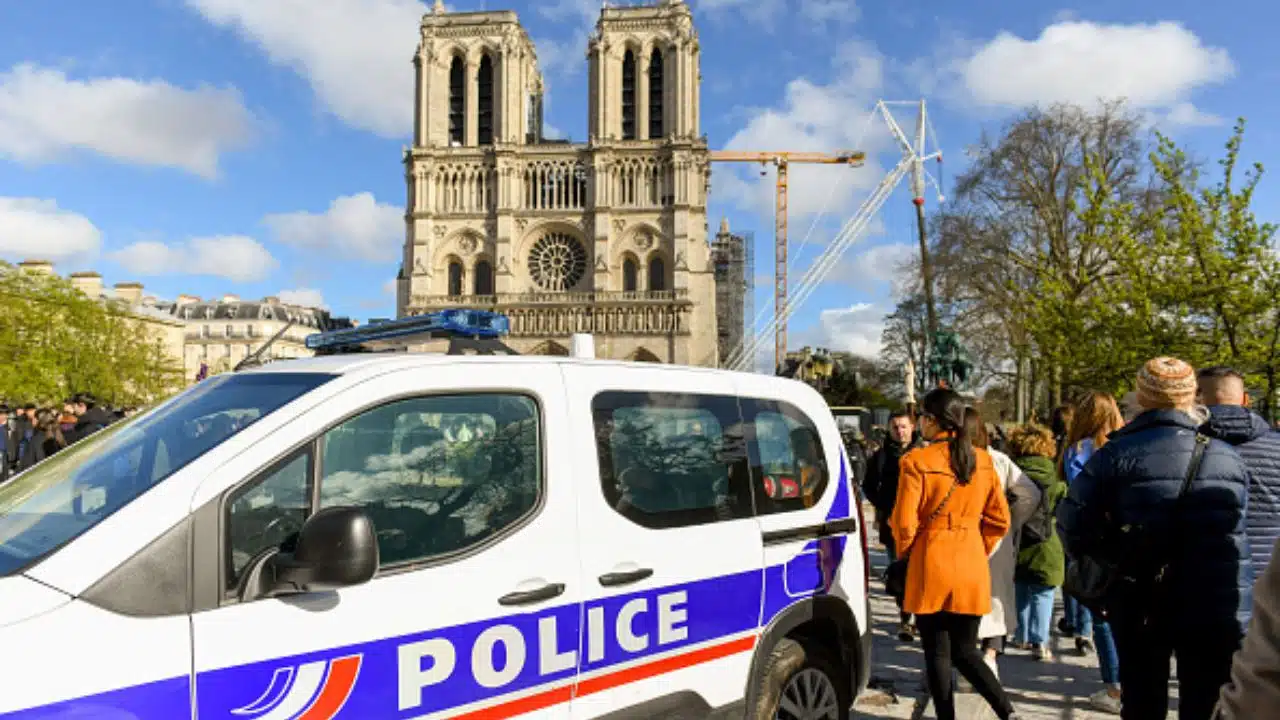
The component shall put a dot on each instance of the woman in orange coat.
(949, 515)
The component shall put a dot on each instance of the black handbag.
(1089, 579)
(895, 575)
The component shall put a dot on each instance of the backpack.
(1039, 526)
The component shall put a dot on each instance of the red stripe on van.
(600, 683)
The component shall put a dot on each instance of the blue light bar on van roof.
(440, 324)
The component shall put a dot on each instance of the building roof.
(248, 310)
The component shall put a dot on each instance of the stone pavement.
(1057, 690)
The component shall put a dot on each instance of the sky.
(252, 147)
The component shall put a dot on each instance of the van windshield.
(54, 502)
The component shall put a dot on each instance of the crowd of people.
(1151, 522)
(30, 433)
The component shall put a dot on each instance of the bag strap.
(932, 516)
(1193, 468)
(1193, 471)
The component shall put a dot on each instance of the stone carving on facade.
(680, 262)
(468, 244)
(601, 265)
(619, 225)
(441, 231)
(643, 240)
(503, 268)
(521, 224)
(420, 267)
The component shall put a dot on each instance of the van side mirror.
(336, 547)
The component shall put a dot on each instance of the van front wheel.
(799, 683)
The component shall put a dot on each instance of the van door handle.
(525, 597)
(614, 579)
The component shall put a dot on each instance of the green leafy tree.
(55, 342)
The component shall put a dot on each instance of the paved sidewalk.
(1057, 690)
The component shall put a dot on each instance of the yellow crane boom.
(781, 160)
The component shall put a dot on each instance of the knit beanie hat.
(1166, 382)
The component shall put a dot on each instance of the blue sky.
(253, 146)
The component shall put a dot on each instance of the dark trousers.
(952, 641)
(886, 539)
(1145, 642)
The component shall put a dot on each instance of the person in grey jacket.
(1254, 690)
(1230, 419)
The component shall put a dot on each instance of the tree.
(55, 342)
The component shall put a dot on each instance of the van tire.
(787, 660)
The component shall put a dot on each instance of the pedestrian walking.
(1161, 508)
(6, 450)
(46, 440)
(1095, 417)
(1254, 690)
(881, 489)
(1230, 419)
(1022, 496)
(949, 514)
(1041, 562)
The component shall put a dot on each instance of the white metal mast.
(912, 161)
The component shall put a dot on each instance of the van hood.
(25, 598)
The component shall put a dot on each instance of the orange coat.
(948, 570)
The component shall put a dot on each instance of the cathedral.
(607, 237)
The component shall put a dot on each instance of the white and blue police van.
(414, 535)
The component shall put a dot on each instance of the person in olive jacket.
(1041, 559)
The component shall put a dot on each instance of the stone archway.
(550, 347)
(643, 355)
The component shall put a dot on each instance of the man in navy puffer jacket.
(1222, 389)
(1123, 508)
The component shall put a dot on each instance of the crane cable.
(793, 261)
(850, 233)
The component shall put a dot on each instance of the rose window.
(557, 262)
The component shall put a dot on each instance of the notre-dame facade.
(607, 237)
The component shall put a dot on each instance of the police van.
(411, 535)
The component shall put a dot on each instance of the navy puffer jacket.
(1133, 481)
(1259, 445)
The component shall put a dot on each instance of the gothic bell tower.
(644, 74)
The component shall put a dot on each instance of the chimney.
(186, 300)
(230, 298)
(89, 283)
(36, 267)
(129, 292)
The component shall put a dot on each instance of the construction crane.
(780, 161)
(914, 155)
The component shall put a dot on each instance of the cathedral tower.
(607, 237)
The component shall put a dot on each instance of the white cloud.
(234, 257)
(306, 297)
(44, 115)
(856, 329)
(813, 117)
(1154, 66)
(35, 228)
(830, 12)
(354, 226)
(874, 268)
(355, 54)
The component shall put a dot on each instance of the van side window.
(437, 475)
(672, 460)
(788, 464)
(267, 513)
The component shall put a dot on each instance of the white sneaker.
(1104, 701)
(991, 663)
(1042, 653)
